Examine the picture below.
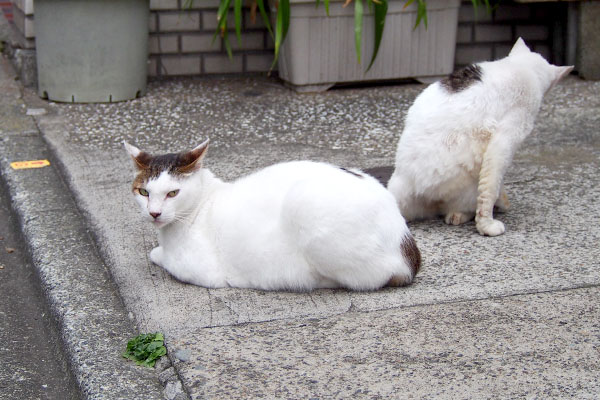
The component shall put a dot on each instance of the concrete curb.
(85, 303)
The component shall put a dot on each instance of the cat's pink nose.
(155, 214)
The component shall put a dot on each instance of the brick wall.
(181, 40)
(484, 37)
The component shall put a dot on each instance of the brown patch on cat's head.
(176, 164)
(411, 253)
(462, 79)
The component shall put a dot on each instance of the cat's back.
(301, 185)
(472, 97)
(276, 180)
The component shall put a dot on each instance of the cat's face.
(163, 186)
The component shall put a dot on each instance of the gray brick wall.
(181, 40)
(484, 37)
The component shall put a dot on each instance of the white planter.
(91, 50)
(319, 51)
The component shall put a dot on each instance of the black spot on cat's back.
(351, 172)
(462, 79)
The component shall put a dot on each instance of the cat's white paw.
(457, 218)
(156, 255)
(490, 227)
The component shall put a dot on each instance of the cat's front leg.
(496, 160)
(156, 256)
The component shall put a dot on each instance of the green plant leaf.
(145, 349)
(380, 14)
(421, 13)
(227, 44)
(237, 12)
(282, 24)
(265, 16)
(221, 20)
(358, 25)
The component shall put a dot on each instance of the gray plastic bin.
(91, 50)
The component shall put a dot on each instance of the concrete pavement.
(511, 316)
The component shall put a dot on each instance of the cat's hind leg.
(457, 217)
(412, 206)
(502, 203)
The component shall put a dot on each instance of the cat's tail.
(412, 258)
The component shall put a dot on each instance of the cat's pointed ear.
(140, 158)
(519, 47)
(559, 73)
(192, 160)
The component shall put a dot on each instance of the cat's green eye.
(143, 192)
(173, 193)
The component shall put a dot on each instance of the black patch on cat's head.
(462, 79)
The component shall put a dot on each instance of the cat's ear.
(559, 73)
(519, 47)
(192, 160)
(140, 158)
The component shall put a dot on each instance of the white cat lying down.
(461, 134)
(292, 226)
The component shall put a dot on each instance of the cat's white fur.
(292, 226)
(457, 146)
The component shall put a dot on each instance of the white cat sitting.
(292, 226)
(461, 134)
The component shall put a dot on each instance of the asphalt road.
(32, 364)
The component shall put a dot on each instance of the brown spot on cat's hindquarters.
(412, 255)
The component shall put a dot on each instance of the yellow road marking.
(29, 164)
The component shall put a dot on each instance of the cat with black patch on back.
(461, 134)
(292, 226)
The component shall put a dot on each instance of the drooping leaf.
(358, 25)
(282, 24)
(265, 16)
(221, 19)
(237, 13)
(421, 13)
(227, 44)
(381, 9)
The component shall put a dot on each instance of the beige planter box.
(319, 51)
